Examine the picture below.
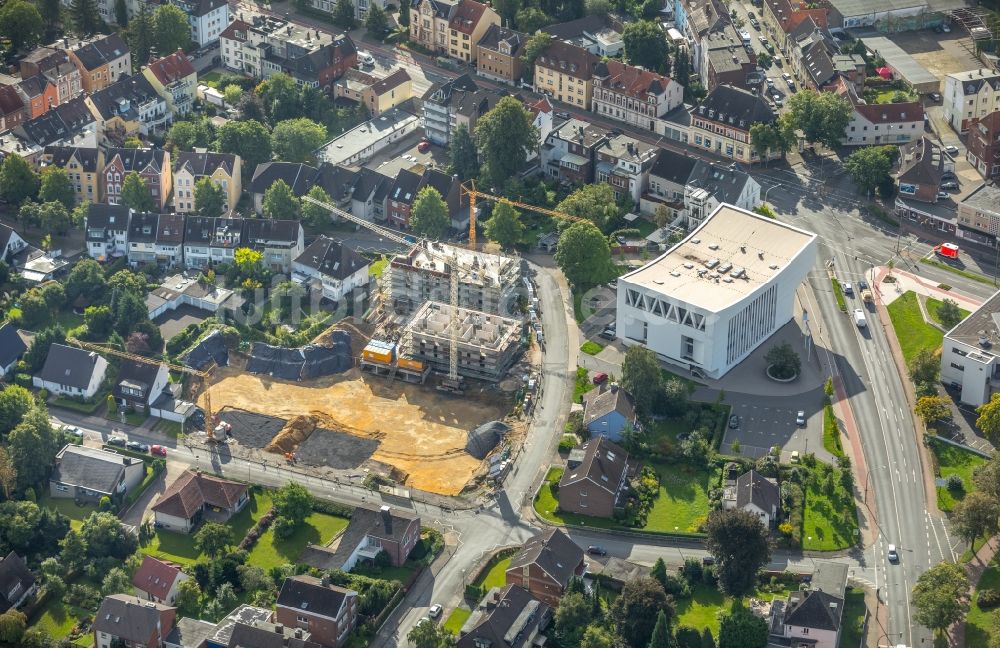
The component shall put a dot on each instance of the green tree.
(135, 192)
(32, 447)
(376, 22)
(99, 320)
(597, 637)
(85, 16)
(209, 198)
(975, 516)
(52, 217)
(782, 361)
(404, 13)
(707, 640)
(462, 154)
(105, 537)
(248, 261)
(186, 135)
(941, 596)
(988, 421)
(739, 542)
(774, 136)
(127, 281)
(116, 581)
(584, 256)
(34, 358)
(659, 570)
(281, 97)
(13, 623)
(687, 637)
(212, 539)
(294, 502)
(314, 214)
(188, 594)
(343, 14)
(294, 140)
(646, 45)
(8, 474)
(740, 628)
(641, 377)
(949, 313)
(427, 634)
(661, 632)
(595, 202)
(821, 116)
(130, 309)
(924, 367)
(987, 477)
(21, 23)
(17, 181)
(636, 610)
(279, 201)
(932, 409)
(429, 216)
(533, 48)
(56, 187)
(507, 9)
(682, 67)
(15, 402)
(868, 166)
(121, 13)
(139, 35)
(249, 139)
(531, 19)
(505, 136)
(51, 12)
(171, 30)
(572, 616)
(505, 226)
(232, 94)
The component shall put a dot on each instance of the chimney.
(279, 628)
(387, 519)
(325, 580)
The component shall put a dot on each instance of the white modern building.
(713, 298)
(970, 95)
(969, 355)
(359, 144)
(207, 18)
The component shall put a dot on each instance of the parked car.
(762, 39)
(935, 96)
(158, 450)
(945, 28)
(795, 456)
(848, 290)
(423, 146)
(608, 333)
(786, 76)
(74, 431)
(734, 422)
(708, 560)
(949, 184)
(800, 418)
(600, 378)
(435, 611)
(597, 550)
(116, 441)
(770, 83)
(862, 285)
(892, 554)
(943, 195)
(366, 58)
(561, 115)
(754, 23)
(745, 35)
(951, 149)
(137, 446)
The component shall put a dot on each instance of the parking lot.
(769, 422)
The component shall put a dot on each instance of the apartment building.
(970, 95)
(721, 123)
(208, 18)
(175, 80)
(128, 107)
(361, 7)
(892, 123)
(458, 101)
(102, 62)
(623, 163)
(38, 94)
(566, 73)
(979, 215)
(633, 95)
(468, 24)
(11, 108)
(152, 165)
(55, 65)
(83, 166)
(983, 145)
(223, 169)
(570, 152)
(725, 61)
(498, 55)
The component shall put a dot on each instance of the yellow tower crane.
(469, 189)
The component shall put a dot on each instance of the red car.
(423, 146)
(600, 377)
(158, 450)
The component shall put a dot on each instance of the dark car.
(708, 560)
(117, 441)
(734, 422)
(136, 446)
(597, 550)
(862, 285)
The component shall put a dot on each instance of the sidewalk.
(905, 281)
(974, 568)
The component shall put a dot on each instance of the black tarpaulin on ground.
(306, 362)
(484, 438)
(211, 349)
(277, 362)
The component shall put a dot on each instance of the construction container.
(410, 364)
(379, 351)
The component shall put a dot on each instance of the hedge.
(333, 508)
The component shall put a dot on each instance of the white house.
(331, 267)
(812, 617)
(711, 185)
(755, 494)
(878, 124)
(717, 295)
(969, 354)
(158, 580)
(207, 18)
(182, 503)
(970, 95)
(71, 372)
(140, 384)
(10, 243)
(106, 227)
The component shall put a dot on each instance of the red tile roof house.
(546, 565)
(126, 620)
(158, 580)
(181, 506)
(329, 613)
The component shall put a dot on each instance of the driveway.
(137, 512)
(768, 422)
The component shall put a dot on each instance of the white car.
(800, 418)
(770, 82)
(943, 195)
(786, 76)
(951, 149)
(75, 431)
(892, 554)
(745, 35)
(859, 318)
(435, 611)
(366, 58)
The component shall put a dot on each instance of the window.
(957, 366)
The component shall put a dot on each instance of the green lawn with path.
(952, 460)
(829, 522)
(932, 309)
(853, 626)
(58, 619)
(705, 605)
(979, 622)
(582, 385)
(913, 333)
(319, 528)
(496, 575)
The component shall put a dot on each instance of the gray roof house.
(509, 617)
(333, 268)
(608, 410)
(754, 493)
(133, 621)
(17, 583)
(812, 617)
(12, 347)
(71, 371)
(546, 564)
(83, 473)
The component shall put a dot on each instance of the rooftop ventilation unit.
(696, 241)
(725, 267)
(711, 263)
(773, 266)
(675, 274)
(713, 246)
(688, 265)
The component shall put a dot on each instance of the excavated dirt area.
(419, 430)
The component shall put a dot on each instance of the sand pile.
(295, 432)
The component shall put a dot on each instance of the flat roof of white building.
(729, 256)
(981, 328)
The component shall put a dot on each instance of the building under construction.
(487, 343)
(487, 282)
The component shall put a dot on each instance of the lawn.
(953, 461)
(457, 619)
(68, 319)
(76, 514)
(578, 313)
(979, 622)
(829, 522)
(702, 609)
(683, 502)
(495, 576)
(546, 503)
(592, 348)
(401, 574)
(885, 96)
(913, 333)
(78, 406)
(582, 384)
(211, 79)
(378, 267)
(319, 528)
(932, 310)
(831, 432)
(172, 429)
(58, 619)
(179, 547)
(838, 292)
(853, 627)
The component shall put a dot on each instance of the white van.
(365, 58)
(859, 318)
